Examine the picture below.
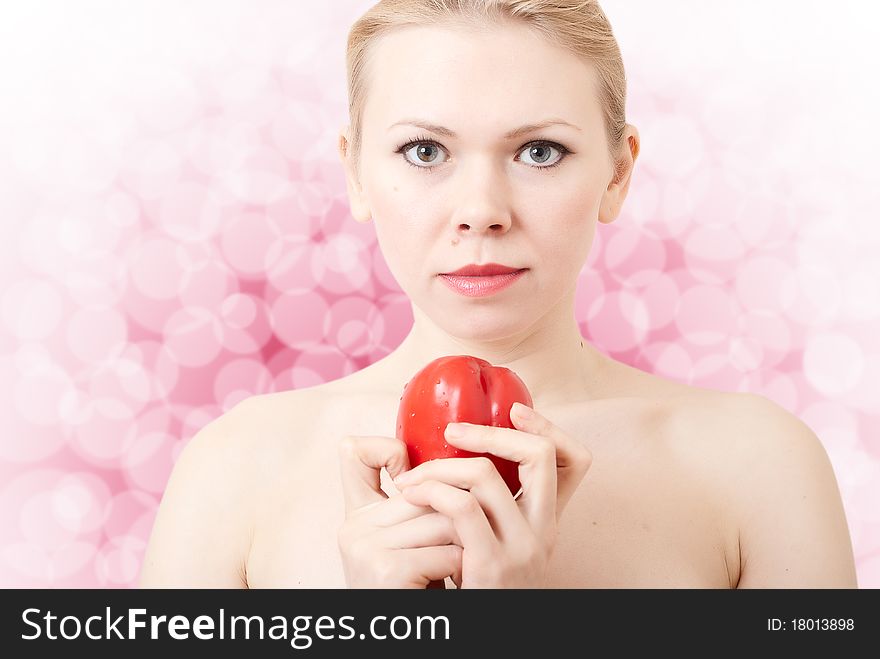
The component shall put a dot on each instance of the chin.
(486, 324)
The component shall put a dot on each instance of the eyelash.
(426, 140)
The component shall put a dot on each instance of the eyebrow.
(516, 132)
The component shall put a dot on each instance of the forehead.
(476, 78)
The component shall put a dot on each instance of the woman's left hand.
(506, 542)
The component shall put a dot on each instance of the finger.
(549, 489)
(573, 459)
(433, 563)
(422, 531)
(537, 467)
(480, 477)
(471, 524)
(391, 511)
(361, 461)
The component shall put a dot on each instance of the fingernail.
(522, 411)
(454, 430)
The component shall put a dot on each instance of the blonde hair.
(580, 26)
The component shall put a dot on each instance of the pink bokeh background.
(176, 236)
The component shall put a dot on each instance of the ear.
(612, 200)
(357, 199)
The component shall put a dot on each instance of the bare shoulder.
(262, 416)
(199, 536)
(718, 432)
(779, 485)
(273, 432)
(269, 433)
(748, 432)
(204, 524)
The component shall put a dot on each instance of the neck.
(551, 357)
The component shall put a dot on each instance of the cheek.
(405, 217)
(565, 251)
(394, 244)
(403, 242)
(565, 225)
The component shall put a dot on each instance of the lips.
(486, 270)
(481, 286)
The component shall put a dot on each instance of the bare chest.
(641, 517)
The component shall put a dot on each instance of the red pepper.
(452, 389)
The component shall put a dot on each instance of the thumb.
(361, 461)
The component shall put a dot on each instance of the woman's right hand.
(387, 542)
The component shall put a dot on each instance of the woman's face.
(445, 201)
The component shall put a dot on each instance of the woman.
(494, 133)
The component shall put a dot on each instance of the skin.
(482, 198)
(456, 517)
(661, 484)
(486, 200)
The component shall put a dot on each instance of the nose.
(482, 205)
(477, 224)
